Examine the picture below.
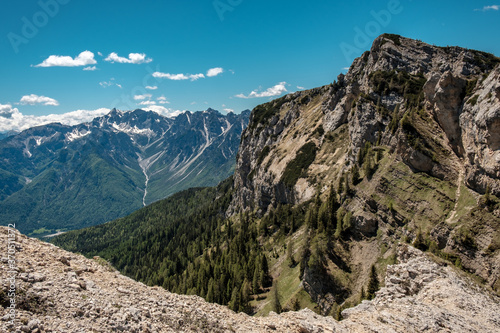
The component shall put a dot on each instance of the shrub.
(473, 100)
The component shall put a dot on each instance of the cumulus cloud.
(193, 77)
(14, 120)
(487, 8)
(148, 102)
(214, 71)
(35, 99)
(300, 87)
(83, 59)
(133, 58)
(178, 77)
(141, 97)
(90, 68)
(229, 110)
(273, 91)
(166, 112)
(162, 100)
(151, 87)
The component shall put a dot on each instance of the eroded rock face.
(480, 123)
(466, 126)
(77, 294)
(444, 94)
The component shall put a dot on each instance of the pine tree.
(234, 304)
(255, 280)
(355, 174)
(295, 304)
(275, 301)
(373, 283)
(362, 295)
(340, 218)
(290, 253)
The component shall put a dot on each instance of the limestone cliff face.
(458, 89)
(421, 123)
(58, 291)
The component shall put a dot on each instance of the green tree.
(355, 174)
(373, 283)
(290, 254)
(255, 280)
(235, 302)
(275, 301)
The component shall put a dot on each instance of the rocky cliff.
(457, 89)
(408, 138)
(58, 291)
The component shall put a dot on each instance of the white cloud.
(162, 100)
(141, 97)
(229, 110)
(133, 58)
(178, 77)
(167, 112)
(175, 77)
(35, 99)
(486, 8)
(6, 111)
(99, 53)
(14, 120)
(90, 68)
(193, 103)
(83, 59)
(151, 87)
(300, 87)
(273, 91)
(148, 102)
(214, 71)
(109, 83)
(193, 77)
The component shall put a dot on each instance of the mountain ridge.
(59, 290)
(138, 151)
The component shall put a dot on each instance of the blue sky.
(70, 60)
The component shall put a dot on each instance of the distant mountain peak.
(142, 155)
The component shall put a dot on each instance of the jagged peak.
(394, 52)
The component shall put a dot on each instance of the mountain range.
(58, 177)
(404, 148)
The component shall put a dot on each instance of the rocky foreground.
(58, 291)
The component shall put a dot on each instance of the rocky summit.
(59, 291)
